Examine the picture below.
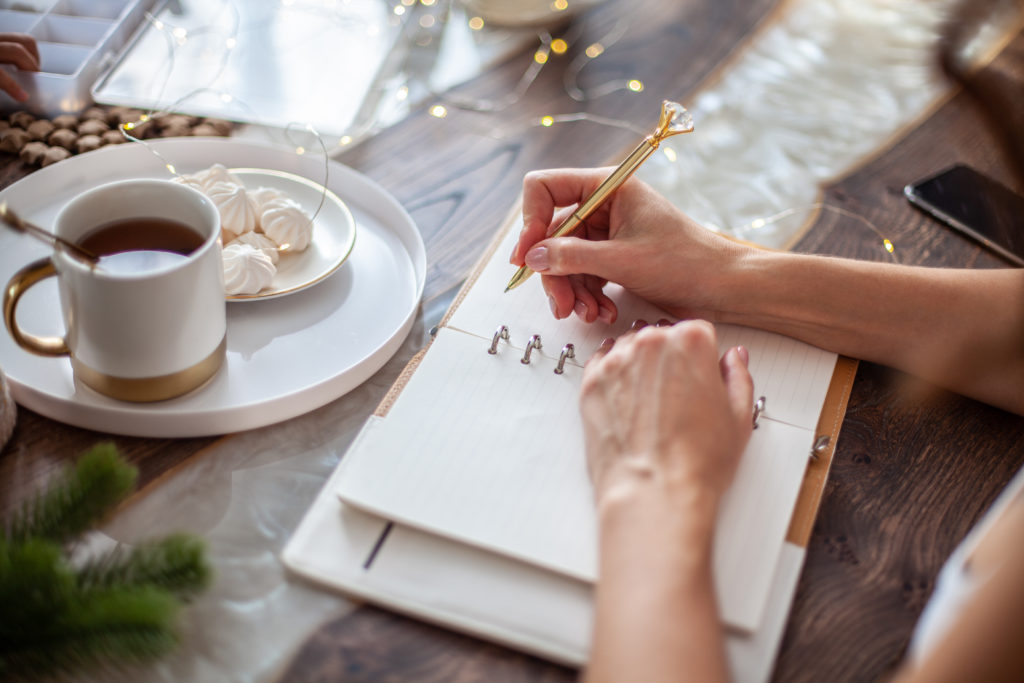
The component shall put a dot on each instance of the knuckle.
(697, 334)
(649, 338)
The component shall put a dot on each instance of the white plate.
(334, 232)
(286, 356)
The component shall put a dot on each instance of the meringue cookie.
(218, 173)
(208, 177)
(262, 196)
(247, 269)
(285, 222)
(261, 242)
(191, 181)
(237, 214)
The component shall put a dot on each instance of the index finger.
(28, 43)
(543, 193)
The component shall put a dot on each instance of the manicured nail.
(638, 325)
(581, 310)
(553, 305)
(605, 314)
(744, 355)
(537, 259)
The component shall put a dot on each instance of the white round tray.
(285, 357)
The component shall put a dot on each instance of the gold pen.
(674, 121)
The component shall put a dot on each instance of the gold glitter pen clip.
(674, 120)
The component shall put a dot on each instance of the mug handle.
(18, 285)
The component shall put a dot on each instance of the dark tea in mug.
(138, 245)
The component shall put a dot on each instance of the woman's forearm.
(656, 618)
(961, 329)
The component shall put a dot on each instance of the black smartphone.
(976, 205)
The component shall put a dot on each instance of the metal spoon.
(15, 221)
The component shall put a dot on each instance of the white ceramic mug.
(140, 336)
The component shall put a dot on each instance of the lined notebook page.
(792, 376)
(488, 451)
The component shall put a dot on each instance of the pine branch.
(80, 497)
(116, 609)
(115, 625)
(35, 583)
(175, 563)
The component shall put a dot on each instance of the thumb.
(573, 256)
(739, 385)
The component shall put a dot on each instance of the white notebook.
(488, 451)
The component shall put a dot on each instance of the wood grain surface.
(914, 466)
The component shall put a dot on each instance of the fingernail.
(581, 310)
(744, 355)
(605, 314)
(553, 305)
(537, 259)
(512, 256)
(638, 325)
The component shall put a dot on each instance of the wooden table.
(914, 466)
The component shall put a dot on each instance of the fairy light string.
(177, 37)
(426, 20)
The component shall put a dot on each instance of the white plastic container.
(78, 40)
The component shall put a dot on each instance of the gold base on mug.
(149, 389)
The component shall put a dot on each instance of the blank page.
(488, 451)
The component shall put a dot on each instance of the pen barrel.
(611, 183)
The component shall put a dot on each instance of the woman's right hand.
(636, 239)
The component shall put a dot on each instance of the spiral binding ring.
(500, 333)
(820, 446)
(758, 409)
(568, 351)
(534, 343)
